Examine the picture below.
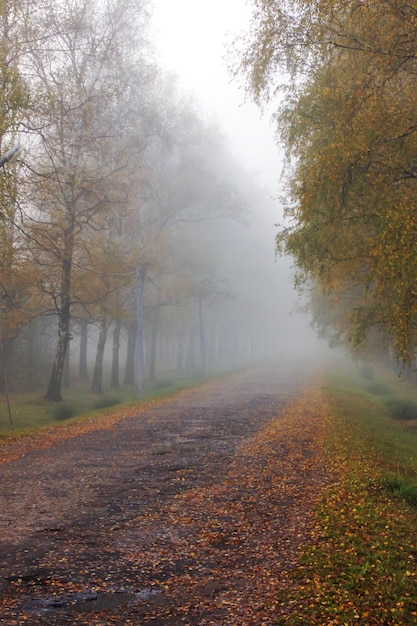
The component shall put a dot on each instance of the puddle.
(89, 602)
(101, 602)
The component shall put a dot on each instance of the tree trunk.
(30, 358)
(6, 348)
(97, 384)
(152, 347)
(64, 311)
(115, 355)
(139, 337)
(55, 381)
(129, 378)
(180, 354)
(82, 368)
(202, 339)
(190, 356)
(67, 369)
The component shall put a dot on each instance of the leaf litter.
(196, 511)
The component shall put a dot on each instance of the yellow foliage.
(351, 130)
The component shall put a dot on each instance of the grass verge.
(362, 568)
(31, 413)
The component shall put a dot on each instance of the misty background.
(140, 218)
(195, 41)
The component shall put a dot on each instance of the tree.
(13, 109)
(180, 183)
(110, 269)
(18, 281)
(79, 76)
(350, 127)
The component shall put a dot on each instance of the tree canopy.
(348, 119)
(118, 172)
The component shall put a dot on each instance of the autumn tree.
(14, 103)
(79, 57)
(349, 124)
(17, 279)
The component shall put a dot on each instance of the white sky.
(191, 37)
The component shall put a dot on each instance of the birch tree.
(79, 61)
(349, 124)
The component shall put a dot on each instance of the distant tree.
(177, 181)
(115, 367)
(110, 268)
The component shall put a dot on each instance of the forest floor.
(191, 510)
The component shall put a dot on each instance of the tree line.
(101, 219)
(342, 76)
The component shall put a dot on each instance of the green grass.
(31, 412)
(362, 569)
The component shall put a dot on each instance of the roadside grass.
(361, 566)
(31, 413)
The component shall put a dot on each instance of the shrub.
(62, 411)
(403, 489)
(103, 403)
(163, 383)
(402, 409)
(379, 389)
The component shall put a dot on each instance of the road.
(191, 512)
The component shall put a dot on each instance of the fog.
(258, 314)
(194, 41)
(144, 243)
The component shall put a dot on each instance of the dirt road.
(191, 512)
